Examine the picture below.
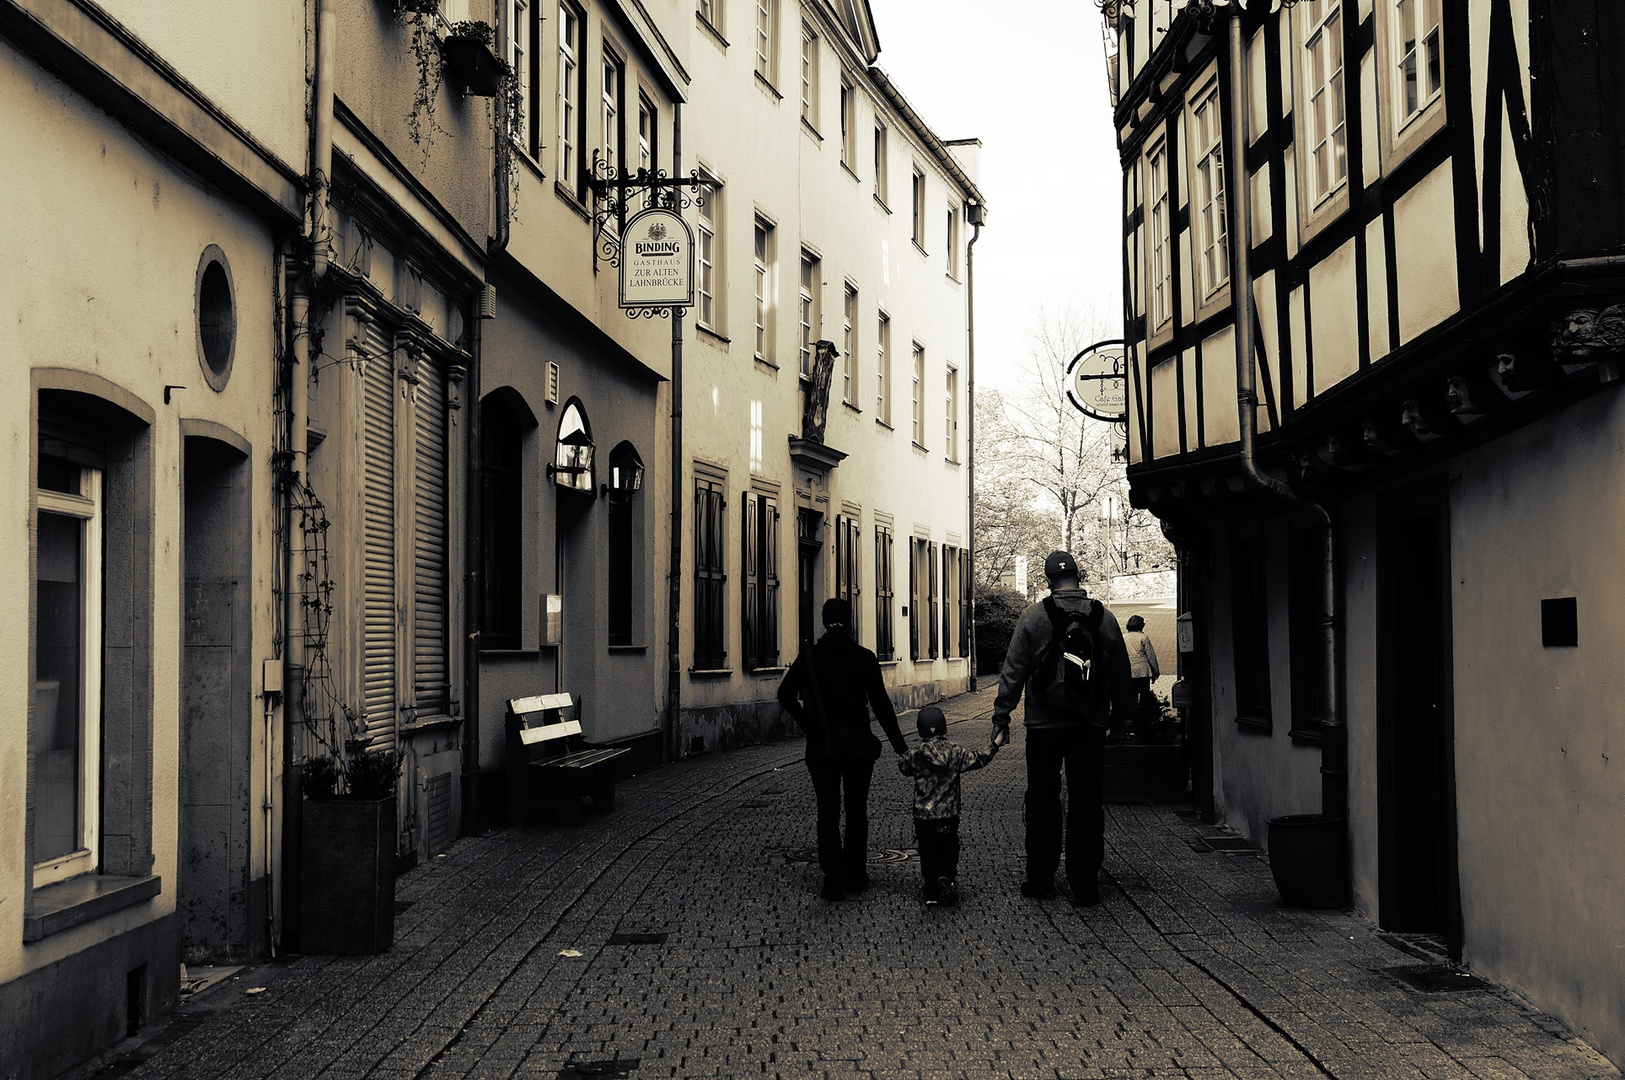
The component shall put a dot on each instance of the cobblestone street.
(682, 936)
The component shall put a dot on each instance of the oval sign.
(1097, 382)
(657, 260)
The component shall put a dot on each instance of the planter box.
(1138, 773)
(471, 62)
(347, 879)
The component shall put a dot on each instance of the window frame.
(612, 108)
(849, 566)
(951, 241)
(883, 368)
(711, 11)
(759, 579)
(810, 313)
(524, 30)
(88, 508)
(809, 76)
(1317, 209)
(917, 196)
(710, 568)
(849, 122)
(708, 253)
(881, 162)
(1401, 134)
(1159, 241)
(849, 342)
(1208, 197)
(766, 39)
(885, 595)
(764, 244)
(571, 92)
(950, 419)
(917, 404)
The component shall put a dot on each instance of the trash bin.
(1309, 858)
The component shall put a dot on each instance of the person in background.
(1142, 670)
(829, 691)
(1069, 735)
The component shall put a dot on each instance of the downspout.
(1334, 735)
(474, 481)
(674, 580)
(293, 654)
(975, 213)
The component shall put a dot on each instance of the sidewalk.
(682, 936)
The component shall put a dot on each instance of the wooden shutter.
(751, 589)
(915, 556)
(769, 571)
(380, 616)
(709, 579)
(931, 589)
(965, 601)
(431, 684)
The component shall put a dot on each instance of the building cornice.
(938, 149)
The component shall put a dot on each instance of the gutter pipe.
(975, 212)
(317, 228)
(672, 737)
(1334, 734)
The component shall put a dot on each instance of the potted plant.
(469, 49)
(347, 852)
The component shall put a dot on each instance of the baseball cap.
(1059, 564)
(931, 722)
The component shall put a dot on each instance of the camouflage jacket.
(936, 766)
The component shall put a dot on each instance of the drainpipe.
(293, 654)
(674, 571)
(975, 213)
(1334, 735)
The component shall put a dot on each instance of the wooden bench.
(549, 764)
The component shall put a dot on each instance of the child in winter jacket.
(935, 766)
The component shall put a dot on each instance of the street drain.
(598, 1070)
(1435, 978)
(636, 939)
(885, 855)
(1227, 843)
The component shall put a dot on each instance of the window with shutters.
(966, 599)
(760, 561)
(932, 598)
(406, 674)
(916, 597)
(885, 646)
(848, 563)
(710, 576)
(950, 600)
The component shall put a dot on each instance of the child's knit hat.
(931, 723)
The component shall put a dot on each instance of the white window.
(710, 11)
(521, 128)
(764, 290)
(610, 135)
(918, 187)
(810, 321)
(849, 346)
(1327, 165)
(918, 404)
(880, 161)
(1419, 61)
(849, 122)
(1159, 263)
(707, 249)
(809, 75)
(68, 670)
(950, 441)
(951, 240)
(648, 134)
(1207, 194)
(883, 369)
(569, 97)
(767, 18)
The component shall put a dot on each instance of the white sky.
(1029, 80)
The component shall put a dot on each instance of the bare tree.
(1009, 523)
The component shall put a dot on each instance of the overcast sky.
(1030, 82)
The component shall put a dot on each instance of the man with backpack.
(1067, 654)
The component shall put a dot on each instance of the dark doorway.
(807, 591)
(1418, 886)
(222, 913)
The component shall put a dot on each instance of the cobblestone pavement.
(681, 936)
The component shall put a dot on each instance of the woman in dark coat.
(829, 691)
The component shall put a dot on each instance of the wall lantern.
(573, 456)
(625, 471)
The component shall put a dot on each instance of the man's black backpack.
(1071, 671)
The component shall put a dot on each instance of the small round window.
(216, 317)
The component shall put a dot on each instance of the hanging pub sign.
(1097, 382)
(657, 260)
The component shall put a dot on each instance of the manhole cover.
(1435, 978)
(1227, 843)
(580, 1070)
(636, 939)
(886, 855)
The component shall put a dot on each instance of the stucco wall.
(1540, 790)
(100, 277)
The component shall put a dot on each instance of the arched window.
(572, 458)
(625, 515)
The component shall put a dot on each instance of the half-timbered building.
(1374, 261)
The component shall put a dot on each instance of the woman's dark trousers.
(1081, 750)
(842, 863)
(937, 840)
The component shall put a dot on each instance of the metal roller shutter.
(430, 679)
(379, 676)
